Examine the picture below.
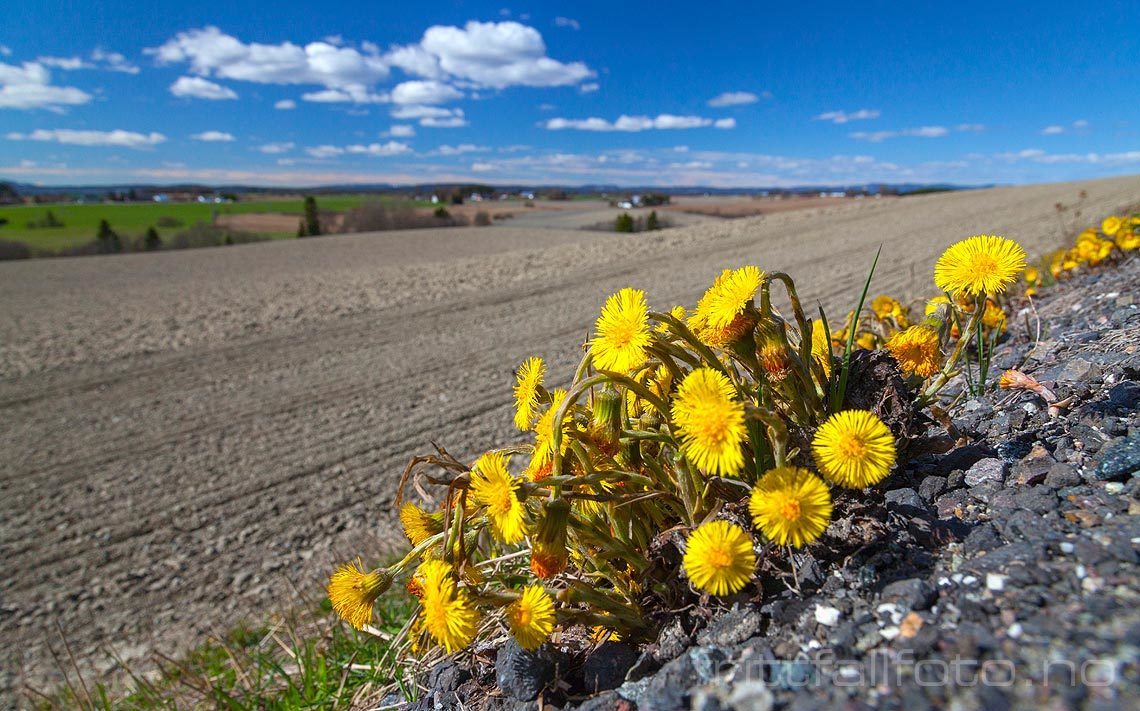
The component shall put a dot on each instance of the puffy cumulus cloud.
(324, 151)
(424, 92)
(29, 86)
(446, 150)
(430, 116)
(920, 132)
(213, 137)
(285, 105)
(401, 131)
(633, 124)
(98, 59)
(118, 137)
(488, 54)
(735, 98)
(448, 122)
(211, 52)
(844, 117)
(379, 150)
(355, 94)
(199, 88)
(275, 148)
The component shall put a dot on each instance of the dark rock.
(1062, 475)
(607, 666)
(962, 458)
(1125, 396)
(672, 641)
(445, 677)
(1039, 499)
(1033, 468)
(949, 505)
(1119, 459)
(520, 674)
(1072, 370)
(1023, 525)
(608, 701)
(876, 384)
(990, 469)
(904, 499)
(931, 487)
(669, 689)
(984, 537)
(914, 593)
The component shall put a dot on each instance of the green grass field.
(80, 222)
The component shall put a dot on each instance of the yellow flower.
(544, 438)
(886, 307)
(935, 303)
(1111, 225)
(983, 264)
(623, 332)
(1032, 276)
(854, 449)
(352, 592)
(916, 350)
(791, 506)
(447, 613)
(1128, 240)
(719, 558)
(866, 341)
(993, 317)
(526, 391)
(720, 317)
(418, 524)
(531, 617)
(493, 487)
(774, 359)
(710, 422)
(821, 348)
(677, 312)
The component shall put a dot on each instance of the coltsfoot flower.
(821, 348)
(446, 610)
(353, 592)
(854, 449)
(917, 350)
(622, 332)
(492, 486)
(1111, 225)
(719, 558)
(419, 525)
(983, 264)
(540, 463)
(531, 617)
(721, 317)
(710, 422)
(790, 506)
(529, 380)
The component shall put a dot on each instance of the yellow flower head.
(1128, 239)
(719, 558)
(821, 348)
(419, 525)
(916, 350)
(983, 264)
(791, 506)
(531, 617)
(544, 438)
(774, 359)
(1111, 225)
(710, 422)
(623, 332)
(677, 312)
(866, 341)
(352, 592)
(492, 486)
(993, 317)
(447, 613)
(1032, 275)
(526, 392)
(885, 307)
(720, 317)
(854, 449)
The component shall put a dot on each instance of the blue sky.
(759, 94)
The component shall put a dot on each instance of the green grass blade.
(840, 392)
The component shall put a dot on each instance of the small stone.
(1062, 475)
(1033, 468)
(608, 665)
(985, 470)
(931, 487)
(732, 628)
(913, 593)
(905, 499)
(521, 674)
(1125, 395)
(995, 582)
(1015, 631)
(1119, 459)
(826, 616)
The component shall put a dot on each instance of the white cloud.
(733, 98)
(1056, 130)
(118, 137)
(199, 88)
(347, 95)
(843, 117)
(920, 132)
(488, 54)
(452, 122)
(402, 131)
(324, 151)
(67, 64)
(211, 52)
(113, 61)
(1080, 123)
(589, 87)
(633, 123)
(970, 127)
(1052, 130)
(482, 167)
(285, 105)
(725, 123)
(446, 150)
(29, 87)
(430, 116)
(376, 150)
(5, 50)
(424, 92)
(275, 148)
(213, 136)
(567, 22)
